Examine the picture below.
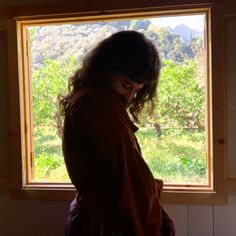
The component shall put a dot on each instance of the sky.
(194, 21)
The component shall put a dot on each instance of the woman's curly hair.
(128, 52)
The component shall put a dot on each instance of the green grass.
(178, 156)
(175, 157)
(49, 162)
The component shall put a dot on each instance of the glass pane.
(173, 140)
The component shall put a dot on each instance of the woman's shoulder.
(100, 111)
(95, 100)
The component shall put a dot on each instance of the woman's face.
(123, 86)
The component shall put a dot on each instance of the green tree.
(48, 82)
(181, 98)
(170, 45)
(139, 24)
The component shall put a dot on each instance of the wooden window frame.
(25, 190)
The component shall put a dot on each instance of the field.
(178, 156)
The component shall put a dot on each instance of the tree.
(60, 42)
(181, 99)
(48, 82)
(170, 45)
(139, 24)
(197, 45)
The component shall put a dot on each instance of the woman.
(116, 192)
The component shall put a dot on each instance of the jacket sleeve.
(159, 185)
(167, 227)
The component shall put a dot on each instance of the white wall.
(33, 218)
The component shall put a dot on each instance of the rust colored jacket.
(106, 166)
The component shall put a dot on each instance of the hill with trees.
(54, 42)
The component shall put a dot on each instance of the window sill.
(194, 198)
(67, 193)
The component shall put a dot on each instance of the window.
(176, 141)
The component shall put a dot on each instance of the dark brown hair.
(128, 52)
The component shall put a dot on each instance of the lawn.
(178, 156)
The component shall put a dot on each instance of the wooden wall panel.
(231, 92)
(10, 142)
(200, 220)
(225, 218)
(30, 7)
(179, 215)
(32, 218)
(4, 107)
